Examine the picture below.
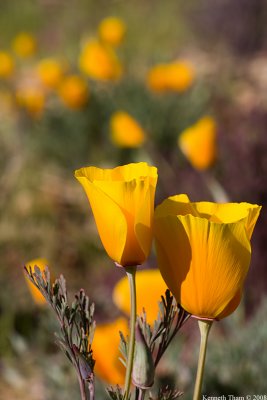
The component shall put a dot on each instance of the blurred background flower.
(177, 76)
(112, 30)
(24, 44)
(73, 91)
(145, 301)
(99, 61)
(198, 143)
(108, 366)
(6, 65)
(50, 72)
(41, 263)
(31, 98)
(126, 131)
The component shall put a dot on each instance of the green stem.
(204, 327)
(217, 191)
(130, 271)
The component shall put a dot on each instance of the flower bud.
(143, 367)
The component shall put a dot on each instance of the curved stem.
(130, 271)
(204, 327)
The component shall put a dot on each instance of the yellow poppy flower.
(50, 72)
(99, 61)
(73, 91)
(36, 294)
(6, 65)
(198, 143)
(106, 351)
(122, 201)
(180, 76)
(32, 99)
(147, 278)
(204, 252)
(24, 44)
(112, 30)
(126, 131)
(177, 76)
(156, 79)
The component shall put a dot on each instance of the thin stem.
(130, 271)
(216, 189)
(142, 393)
(204, 327)
(91, 387)
(82, 388)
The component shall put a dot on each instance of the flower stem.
(204, 327)
(82, 388)
(91, 387)
(130, 271)
(216, 189)
(141, 394)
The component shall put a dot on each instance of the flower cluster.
(35, 81)
(36, 84)
(203, 248)
(203, 251)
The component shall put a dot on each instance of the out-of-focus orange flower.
(198, 143)
(99, 61)
(122, 201)
(204, 252)
(6, 103)
(6, 65)
(31, 98)
(125, 130)
(156, 78)
(177, 76)
(149, 301)
(106, 351)
(74, 91)
(112, 30)
(37, 296)
(50, 72)
(180, 76)
(24, 44)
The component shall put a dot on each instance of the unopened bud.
(143, 367)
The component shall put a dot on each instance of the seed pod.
(143, 367)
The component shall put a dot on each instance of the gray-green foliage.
(236, 361)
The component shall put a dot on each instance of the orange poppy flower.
(106, 351)
(122, 201)
(204, 252)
